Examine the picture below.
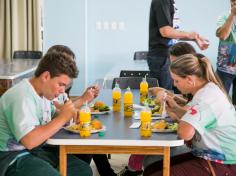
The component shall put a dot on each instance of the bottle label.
(128, 107)
(85, 126)
(146, 126)
(143, 96)
(116, 102)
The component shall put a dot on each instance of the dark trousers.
(44, 161)
(189, 165)
(159, 68)
(103, 165)
(228, 80)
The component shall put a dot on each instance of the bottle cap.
(101, 133)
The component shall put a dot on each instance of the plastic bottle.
(116, 98)
(146, 119)
(143, 90)
(128, 103)
(85, 121)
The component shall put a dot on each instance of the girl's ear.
(190, 80)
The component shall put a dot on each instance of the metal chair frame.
(133, 82)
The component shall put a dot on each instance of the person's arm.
(173, 107)
(43, 132)
(89, 94)
(223, 32)
(170, 32)
(185, 131)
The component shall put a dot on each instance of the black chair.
(134, 73)
(133, 82)
(27, 55)
(140, 55)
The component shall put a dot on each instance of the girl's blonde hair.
(189, 64)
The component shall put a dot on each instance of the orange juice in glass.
(143, 90)
(128, 103)
(116, 98)
(146, 119)
(85, 122)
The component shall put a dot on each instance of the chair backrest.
(140, 55)
(133, 82)
(27, 55)
(134, 73)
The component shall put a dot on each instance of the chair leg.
(109, 156)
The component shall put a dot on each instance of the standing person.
(208, 125)
(26, 123)
(102, 163)
(162, 31)
(226, 32)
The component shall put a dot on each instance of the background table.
(12, 72)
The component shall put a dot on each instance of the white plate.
(154, 116)
(102, 112)
(163, 130)
(92, 131)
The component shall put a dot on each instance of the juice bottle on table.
(146, 119)
(85, 121)
(143, 90)
(128, 103)
(116, 98)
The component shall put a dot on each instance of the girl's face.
(182, 84)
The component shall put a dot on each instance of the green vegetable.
(104, 108)
(172, 126)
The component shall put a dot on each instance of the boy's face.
(233, 2)
(55, 86)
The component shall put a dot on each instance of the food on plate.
(157, 110)
(99, 106)
(162, 124)
(96, 124)
(151, 102)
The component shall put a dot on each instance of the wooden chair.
(133, 82)
(27, 55)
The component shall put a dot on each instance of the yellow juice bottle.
(85, 122)
(146, 119)
(143, 90)
(116, 98)
(128, 103)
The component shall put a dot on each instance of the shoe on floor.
(127, 172)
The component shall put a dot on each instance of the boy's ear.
(45, 76)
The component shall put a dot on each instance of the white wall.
(73, 23)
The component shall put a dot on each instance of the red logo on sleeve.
(193, 111)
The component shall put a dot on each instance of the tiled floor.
(118, 162)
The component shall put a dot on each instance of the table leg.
(166, 161)
(63, 160)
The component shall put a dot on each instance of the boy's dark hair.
(57, 64)
(181, 48)
(62, 49)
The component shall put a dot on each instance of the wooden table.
(118, 139)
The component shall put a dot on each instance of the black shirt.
(161, 14)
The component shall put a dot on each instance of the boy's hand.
(68, 110)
